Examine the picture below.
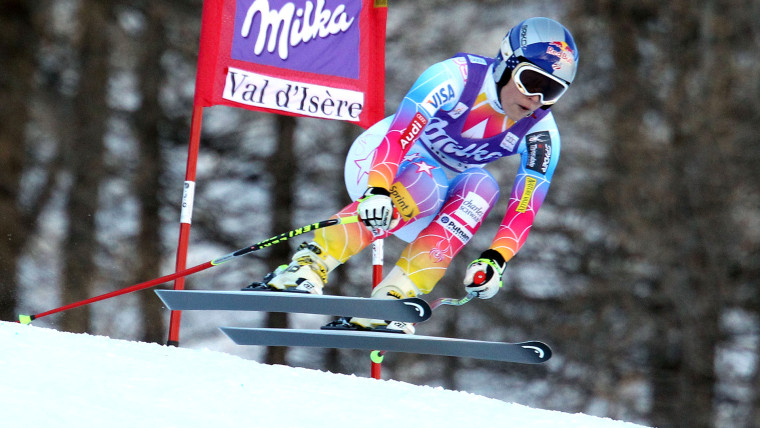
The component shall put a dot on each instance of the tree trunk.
(85, 162)
(148, 180)
(284, 168)
(17, 53)
(666, 224)
(348, 133)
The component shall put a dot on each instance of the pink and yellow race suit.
(431, 155)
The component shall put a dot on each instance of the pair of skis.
(408, 310)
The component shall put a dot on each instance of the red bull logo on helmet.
(563, 52)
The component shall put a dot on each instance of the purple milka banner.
(315, 36)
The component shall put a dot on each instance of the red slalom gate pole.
(377, 276)
(186, 215)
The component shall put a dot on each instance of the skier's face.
(516, 105)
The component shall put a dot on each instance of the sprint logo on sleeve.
(404, 201)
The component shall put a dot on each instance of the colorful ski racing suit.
(430, 156)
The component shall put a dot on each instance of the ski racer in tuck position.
(420, 175)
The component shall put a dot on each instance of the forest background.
(641, 270)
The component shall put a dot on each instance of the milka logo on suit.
(443, 145)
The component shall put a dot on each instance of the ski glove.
(483, 276)
(376, 209)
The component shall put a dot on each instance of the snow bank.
(55, 379)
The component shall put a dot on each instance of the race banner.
(315, 58)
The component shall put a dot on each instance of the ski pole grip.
(479, 278)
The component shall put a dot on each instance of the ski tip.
(421, 307)
(541, 350)
(163, 294)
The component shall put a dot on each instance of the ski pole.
(26, 319)
(453, 301)
(480, 277)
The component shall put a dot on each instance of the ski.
(408, 310)
(531, 352)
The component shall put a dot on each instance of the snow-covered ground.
(54, 379)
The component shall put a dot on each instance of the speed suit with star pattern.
(431, 156)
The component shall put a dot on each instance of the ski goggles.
(532, 80)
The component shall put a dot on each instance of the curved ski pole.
(453, 301)
(26, 319)
(479, 278)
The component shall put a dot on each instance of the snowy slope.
(55, 379)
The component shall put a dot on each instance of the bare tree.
(148, 189)
(17, 53)
(85, 161)
(672, 149)
(283, 167)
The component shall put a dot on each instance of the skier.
(419, 173)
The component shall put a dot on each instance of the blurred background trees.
(642, 268)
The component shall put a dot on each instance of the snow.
(57, 379)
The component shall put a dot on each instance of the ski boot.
(403, 287)
(262, 285)
(307, 273)
(366, 324)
